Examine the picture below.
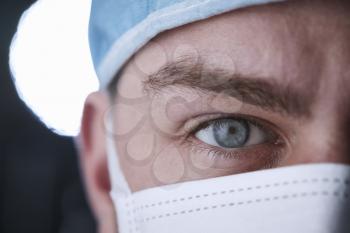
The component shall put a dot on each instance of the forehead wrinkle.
(266, 93)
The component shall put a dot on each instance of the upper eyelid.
(217, 117)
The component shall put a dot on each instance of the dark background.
(40, 185)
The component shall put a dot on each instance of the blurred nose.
(322, 141)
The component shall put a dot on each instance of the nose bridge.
(327, 139)
(321, 152)
(326, 136)
(337, 148)
(343, 133)
(330, 127)
(338, 116)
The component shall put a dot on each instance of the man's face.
(251, 89)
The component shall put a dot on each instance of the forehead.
(297, 40)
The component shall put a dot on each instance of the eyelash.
(214, 151)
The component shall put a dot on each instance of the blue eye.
(231, 133)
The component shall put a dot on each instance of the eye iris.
(231, 133)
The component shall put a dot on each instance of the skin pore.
(275, 77)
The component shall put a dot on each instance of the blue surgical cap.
(119, 28)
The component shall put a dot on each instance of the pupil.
(230, 133)
(232, 130)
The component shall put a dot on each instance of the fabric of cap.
(119, 28)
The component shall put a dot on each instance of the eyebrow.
(265, 93)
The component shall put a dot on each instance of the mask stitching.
(334, 194)
(346, 182)
(137, 228)
(128, 215)
(132, 222)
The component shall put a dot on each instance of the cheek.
(140, 147)
(136, 152)
(169, 165)
(150, 159)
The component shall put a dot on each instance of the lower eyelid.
(263, 156)
(257, 157)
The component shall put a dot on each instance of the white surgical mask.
(298, 199)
